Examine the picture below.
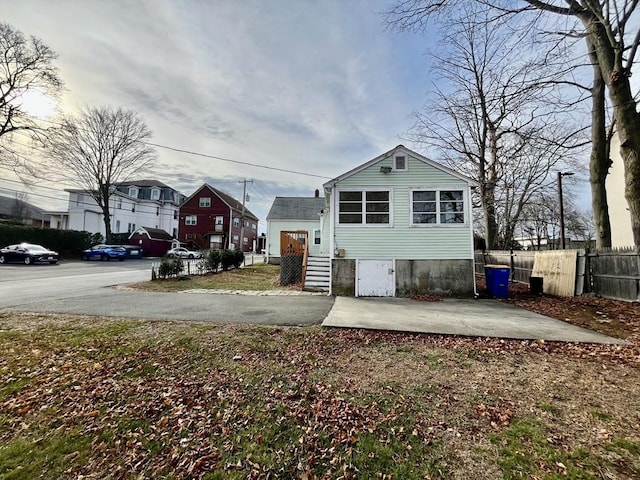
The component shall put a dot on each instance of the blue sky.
(312, 86)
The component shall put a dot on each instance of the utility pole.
(244, 197)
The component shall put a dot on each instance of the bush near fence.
(211, 263)
(610, 273)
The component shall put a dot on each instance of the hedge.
(67, 243)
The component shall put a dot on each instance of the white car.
(183, 253)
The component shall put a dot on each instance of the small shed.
(154, 241)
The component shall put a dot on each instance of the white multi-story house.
(136, 203)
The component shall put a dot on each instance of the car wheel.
(104, 258)
(2, 260)
(84, 257)
(27, 260)
(190, 255)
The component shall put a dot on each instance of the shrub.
(170, 267)
(227, 259)
(238, 258)
(213, 259)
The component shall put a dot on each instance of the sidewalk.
(476, 318)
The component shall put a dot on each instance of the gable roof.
(153, 233)
(8, 208)
(227, 199)
(296, 208)
(142, 183)
(401, 149)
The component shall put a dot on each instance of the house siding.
(400, 240)
(276, 226)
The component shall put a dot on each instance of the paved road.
(88, 288)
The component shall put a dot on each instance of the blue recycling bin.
(497, 277)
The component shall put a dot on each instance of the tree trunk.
(599, 161)
(489, 193)
(610, 61)
(106, 217)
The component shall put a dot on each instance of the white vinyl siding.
(403, 240)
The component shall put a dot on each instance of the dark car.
(104, 253)
(28, 253)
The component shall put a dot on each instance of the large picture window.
(368, 207)
(437, 207)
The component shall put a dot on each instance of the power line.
(214, 157)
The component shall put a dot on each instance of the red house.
(211, 219)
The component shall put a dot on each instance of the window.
(131, 227)
(437, 207)
(175, 214)
(235, 239)
(120, 203)
(245, 240)
(133, 207)
(133, 192)
(191, 220)
(316, 236)
(400, 162)
(236, 222)
(117, 226)
(205, 202)
(219, 220)
(157, 210)
(253, 227)
(155, 194)
(369, 207)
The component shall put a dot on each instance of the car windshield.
(35, 248)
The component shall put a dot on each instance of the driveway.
(476, 318)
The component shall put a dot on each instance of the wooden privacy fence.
(611, 274)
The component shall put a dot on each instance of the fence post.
(511, 266)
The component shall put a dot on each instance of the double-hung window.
(205, 202)
(364, 207)
(191, 220)
(437, 207)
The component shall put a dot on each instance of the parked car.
(183, 253)
(28, 253)
(104, 253)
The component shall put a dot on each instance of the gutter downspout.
(332, 238)
(473, 253)
(230, 228)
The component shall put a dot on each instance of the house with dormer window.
(133, 204)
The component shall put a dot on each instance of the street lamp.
(560, 175)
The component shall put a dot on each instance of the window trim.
(364, 190)
(191, 220)
(406, 163)
(319, 237)
(202, 201)
(437, 190)
(155, 194)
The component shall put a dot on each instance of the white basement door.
(375, 278)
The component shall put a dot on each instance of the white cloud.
(312, 86)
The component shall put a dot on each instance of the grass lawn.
(262, 276)
(86, 397)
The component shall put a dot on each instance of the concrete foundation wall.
(450, 278)
(343, 277)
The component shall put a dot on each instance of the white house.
(302, 214)
(135, 203)
(621, 233)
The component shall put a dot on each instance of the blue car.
(104, 253)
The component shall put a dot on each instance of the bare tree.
(612, 32)
(493, 118)
(21, 208)
(26, 65)
(100, 148)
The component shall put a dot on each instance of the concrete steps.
(318, 276)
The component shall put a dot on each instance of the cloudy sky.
(314, 86)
